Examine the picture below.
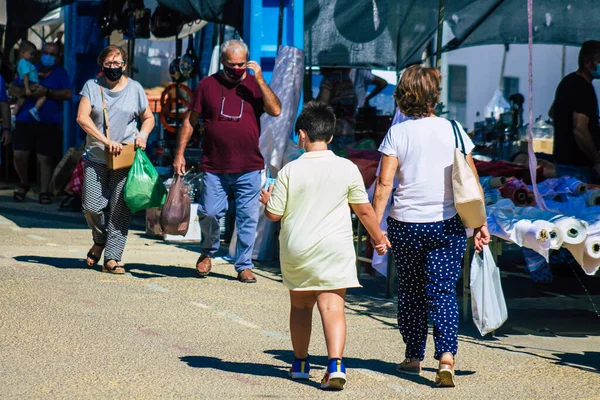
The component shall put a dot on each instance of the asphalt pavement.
(71, 332)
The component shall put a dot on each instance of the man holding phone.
(230, 103)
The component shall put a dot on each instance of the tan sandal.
(403, 367)
(117, 269)
(445, 375)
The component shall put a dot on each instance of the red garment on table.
(507, 169)
(367, 162)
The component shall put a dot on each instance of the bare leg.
(331, 307)
(40, 102)
(302, 304)
(46, 169)
(21, 162)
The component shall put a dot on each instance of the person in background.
(362, 78)
(231, 103)
(102, 200)
(43, 136)
(312, 197)
(427, 236)
(27, 76)
(337, 90)
(575, 114)
(6, 133)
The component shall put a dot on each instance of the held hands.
(114, 147)
(265, 195)
(253, 65)
(382, 245)
(481, 237)
(179, 165)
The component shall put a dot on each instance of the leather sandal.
(403, 367)
(117, 269)
(20, 194)
(94, 257)
(44, 198)
(445, 375)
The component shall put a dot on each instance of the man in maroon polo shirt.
(231, 103)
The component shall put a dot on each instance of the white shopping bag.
(487, 300)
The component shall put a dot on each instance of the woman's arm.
(87, 124)
(147, 126)
(383, 184)
(481, 235)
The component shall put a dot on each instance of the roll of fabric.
(492, 182)
(532, 236)
(556, 240)
(516, 191)
(573, 231)
(592, 197)
(559, 197)
(575, 186)
(592, 246)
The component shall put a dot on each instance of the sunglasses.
(230, 118)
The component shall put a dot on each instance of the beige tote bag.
(468, 198)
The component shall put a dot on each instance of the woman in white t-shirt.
(427, 236)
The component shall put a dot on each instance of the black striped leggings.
(105, 210)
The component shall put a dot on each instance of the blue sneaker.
(35, 114)
(300, 369)
(335, 377)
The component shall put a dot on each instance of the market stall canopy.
(229, 12)
(566, 22)
(392, 34)
(18, 16)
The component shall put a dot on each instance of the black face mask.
(113, 74)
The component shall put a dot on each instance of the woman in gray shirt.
(105, 210)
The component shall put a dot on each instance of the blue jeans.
(215, 189)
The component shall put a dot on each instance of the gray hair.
(234, 46)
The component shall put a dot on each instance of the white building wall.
(483, 74)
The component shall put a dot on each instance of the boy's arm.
(365, 213)
(265, 196)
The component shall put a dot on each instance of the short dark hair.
(317, 120)
(26, 45)
(588, 50)
(110, 50)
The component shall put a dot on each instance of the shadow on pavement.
(56, 262)
(251, 369)
(156, 271)
(31, 214)
(143, 271)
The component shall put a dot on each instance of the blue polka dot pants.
(428, 260)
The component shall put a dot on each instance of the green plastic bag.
(143, 188)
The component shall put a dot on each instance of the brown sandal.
(445, 375)
(403, 367)
(117, 269)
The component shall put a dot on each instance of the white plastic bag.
(487, 300)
